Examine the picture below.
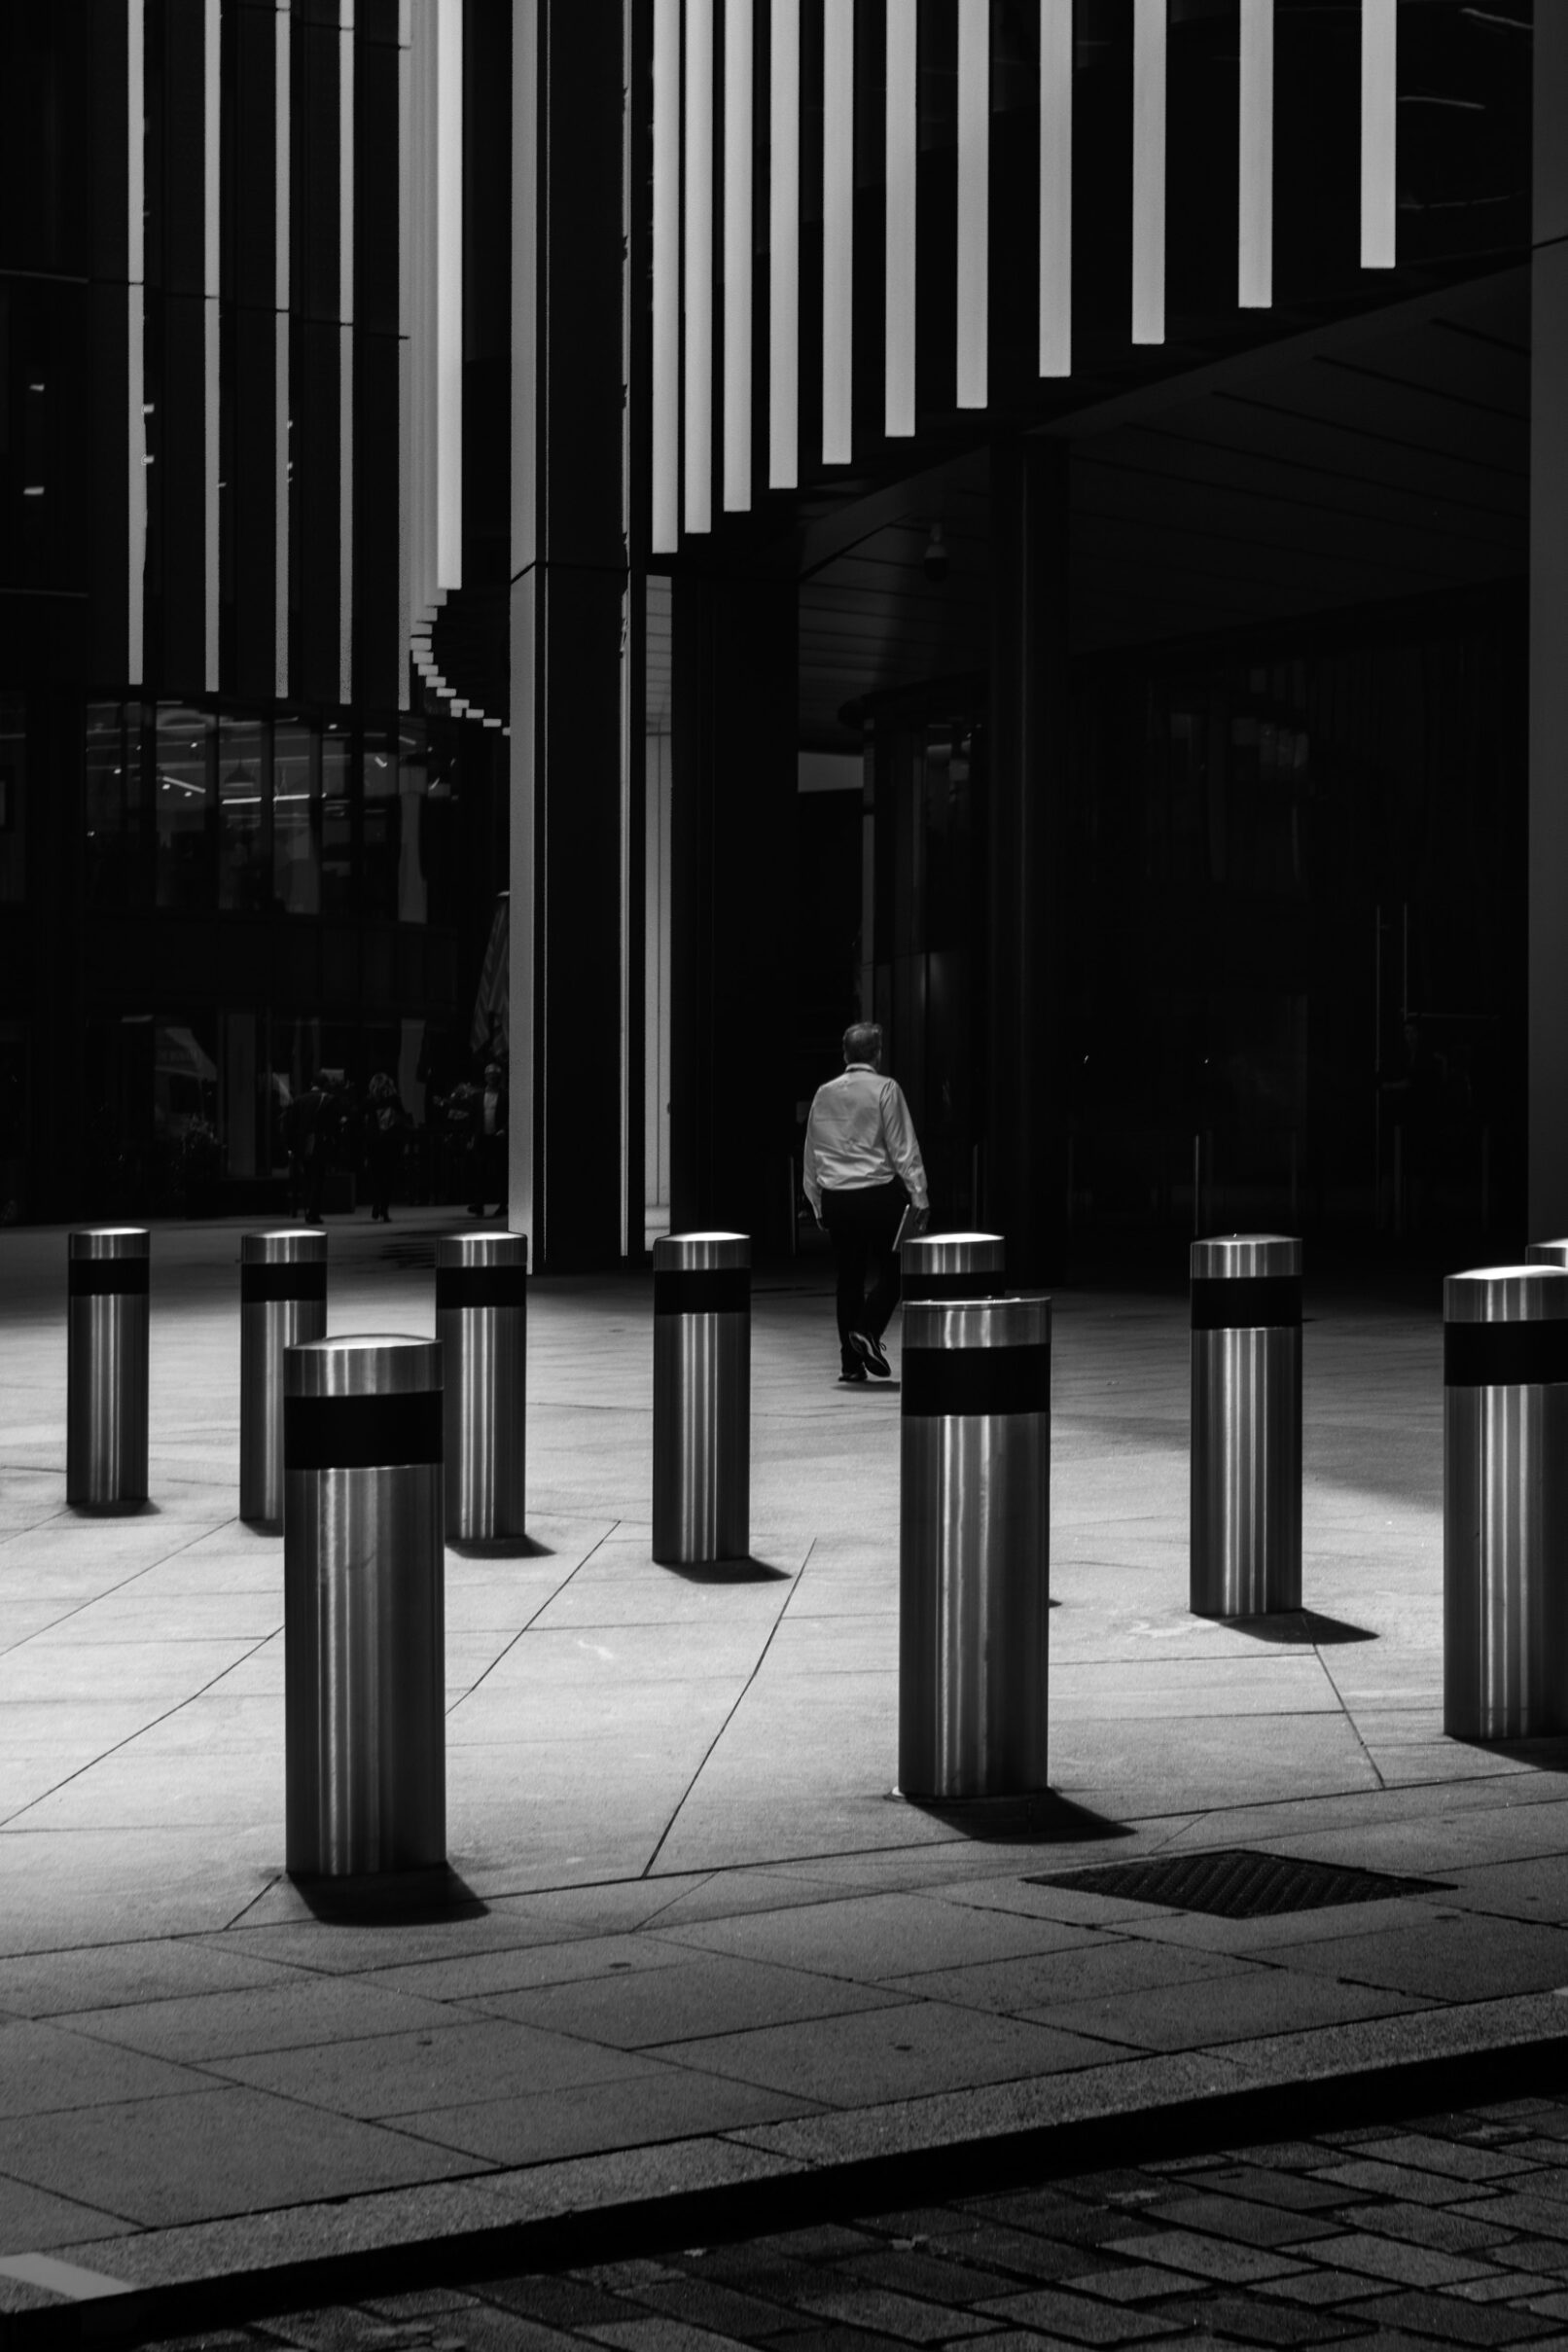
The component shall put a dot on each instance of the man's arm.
(811, 1181)
(898, 1130)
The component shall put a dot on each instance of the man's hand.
(919, 1219)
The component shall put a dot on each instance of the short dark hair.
(862, 1040)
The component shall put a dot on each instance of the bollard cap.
(1547, 1253)
(364, 1364)
(287, 1245)
(454, 1251)
(1507, 1294)
(1245, 1257)
(701, 1253)
(954, 1254)
(110, 1241)
(1019, 1320)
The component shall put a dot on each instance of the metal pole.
(701, 1398)
(282, 1305)
(1246, 1556)
(1505, 1501)
(481, 1321)
(364, 1640)
(107, 1285)
(951, 1265)
(974, 1547)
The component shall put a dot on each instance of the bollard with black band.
(974, 1547)
(362, 1606)
(1505, 1502)
(701, 1398)
(282, 1304)
(952, 1266)
(481, 1321)
(107, 1282)
(1245, 1555)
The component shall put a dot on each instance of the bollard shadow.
(142, 1509)
(1301, 1626)
(1549, 1753)
(1040, 1818)
(390, 1897)
(747, 1571)
(500, 1548)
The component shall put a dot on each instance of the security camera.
(933, 562)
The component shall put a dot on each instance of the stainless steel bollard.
(974, 1547)
(481, 1321)
(107, 1274)
(363, 1606)
(701, 1398)
(1246, 1434)
(1547, 1253)
(282, 1304)
(1504, 1503)
(951, 1265)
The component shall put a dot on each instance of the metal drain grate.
(1235, 1884)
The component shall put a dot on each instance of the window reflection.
(183, 805)
(296, 845)
(242, 778)
(337, 824)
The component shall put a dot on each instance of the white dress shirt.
(860, 1133)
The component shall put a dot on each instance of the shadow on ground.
(1042, 1818)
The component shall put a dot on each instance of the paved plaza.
(693, 1941)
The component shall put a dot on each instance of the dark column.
(568, 578)
(1026, 1129)
(1549, 619)
(733, 823)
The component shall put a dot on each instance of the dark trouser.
(862, 1226)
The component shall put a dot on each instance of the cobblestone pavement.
(1449, 2228)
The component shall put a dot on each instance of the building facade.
(1037, 522)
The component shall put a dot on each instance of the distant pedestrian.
(490, 1143)
(305, 1131)
(384, 1122)
(862, 1168)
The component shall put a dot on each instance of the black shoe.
(870, 1353)
(853, 1375)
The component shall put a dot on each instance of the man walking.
(862, 1163)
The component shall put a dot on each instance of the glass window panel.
(381, 818)
(113, 825)
(182, 803)
(414, 778)
(337, 824)
(13, 795)
(296, 819)
(242, 765)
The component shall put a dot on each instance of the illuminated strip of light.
(784, 247)
(1379, 107)
(281, 167)
(526, 287)
(345, 350)
(135, 356)
(664, 535)
(211, 221)
(698, 280)
(737, 169)
(974, 199)
(902, 125)
(1056, 186)
(448, 296)
(838, 230)
(1149, 171)
(1255, 259)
